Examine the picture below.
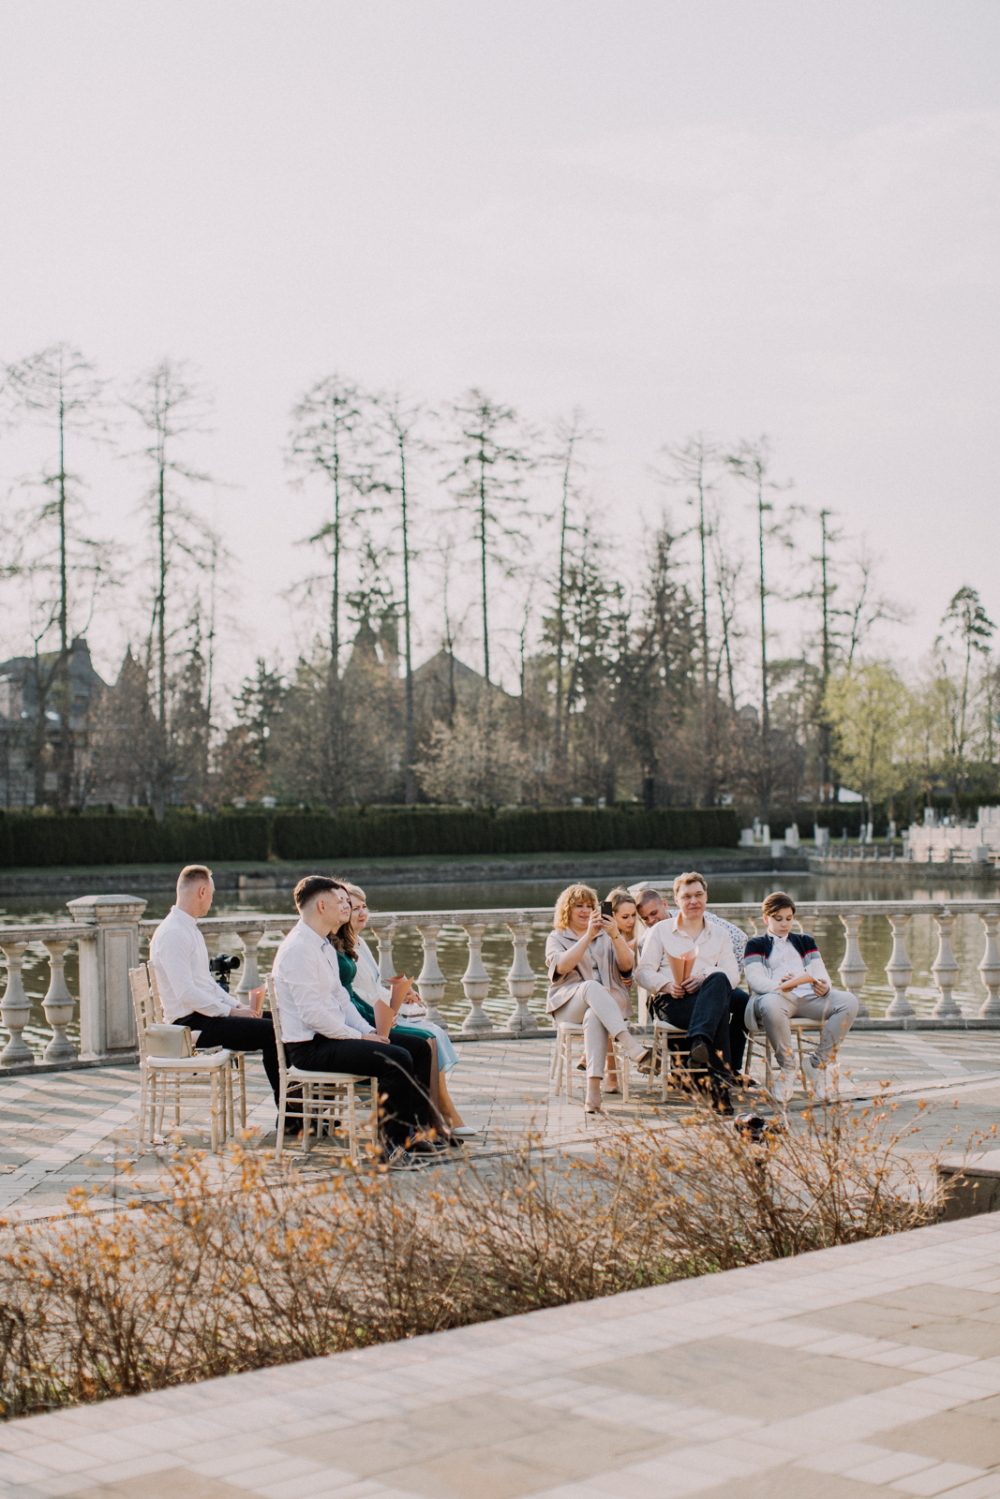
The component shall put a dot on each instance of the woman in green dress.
(345, 941)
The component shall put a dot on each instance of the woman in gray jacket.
(586, 956)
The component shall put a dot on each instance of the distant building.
(26, 682)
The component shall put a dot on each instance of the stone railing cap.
(105, 910)
(986, 1163)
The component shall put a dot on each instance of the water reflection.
(875, 936)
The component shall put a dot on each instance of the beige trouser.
(837, 1008)
(601, 1014)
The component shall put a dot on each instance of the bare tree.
(493, 458)
(751, 462)
(694, 464)
(400, 421)
(60, 389)
(171, 406)
(329, 438)
(571, 435)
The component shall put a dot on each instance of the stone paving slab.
(65, 1131)
(868, 1369)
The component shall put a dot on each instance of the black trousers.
(402, 1068)
(704, 1015)
(738, 1001)
(239, 1034)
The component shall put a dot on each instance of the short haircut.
(620, 897)
(645, 896)
(690, 877)
(573, 895)
(314, 884)
(779, 901)
(192, 875)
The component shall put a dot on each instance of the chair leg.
(241, 1067)
(307, 1116)
(282, 1106)
(229, 1112)
(352, 1124)
(623, 1072)
(215, 1112)
(143, 1092)
(748, 1054)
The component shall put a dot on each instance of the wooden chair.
(799, 1027)
(325, 1095)
(562, 1070)
(238, 1060)
(662, 1032)
(181, 1078)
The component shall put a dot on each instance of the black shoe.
(721, 1102)
(700, 1056)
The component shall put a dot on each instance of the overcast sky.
(740, 216)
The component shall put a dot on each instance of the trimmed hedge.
(28, 842)
(399, 834)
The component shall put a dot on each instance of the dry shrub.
(262, 1268)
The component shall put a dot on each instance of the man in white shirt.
(699, 1003)
(322, 1030)
(188, 992)
(653, 909)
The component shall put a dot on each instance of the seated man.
(787, 978)
(653, 908)
(698, 1004)
(324, 1032)
(189, 994)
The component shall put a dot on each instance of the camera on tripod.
(221, 967)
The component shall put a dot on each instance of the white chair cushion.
(212, 1063)
(340, 1078)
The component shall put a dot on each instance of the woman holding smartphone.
(587, 958)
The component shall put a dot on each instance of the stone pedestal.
(108, 944)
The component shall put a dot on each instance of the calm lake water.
(876, 937)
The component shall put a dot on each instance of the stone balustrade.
(109, 936)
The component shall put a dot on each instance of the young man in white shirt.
(322, 1030)
(788, 978)
(188, 992)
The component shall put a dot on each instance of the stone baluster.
(108, 945)
(250, 975)
(58, 1005)
(853, 968)
(521, 977)
(899, 969)
(989, 968)
(430, 981)
(944, 967)
(476, 981)
(386, 965)
(15, 1008)
(212, 940)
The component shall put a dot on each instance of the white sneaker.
(783, 1085)
(821, 1081)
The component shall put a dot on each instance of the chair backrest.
(142, 1003)
(154, 989)
(279, 1040)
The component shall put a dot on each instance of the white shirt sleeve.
(313, 1000)
(179, 957)
(652, 960)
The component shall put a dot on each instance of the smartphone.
(606, 910)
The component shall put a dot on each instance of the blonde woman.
(368, 987)
(586, 957)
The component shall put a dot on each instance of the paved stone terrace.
(866, 1370)
(60, 1131)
